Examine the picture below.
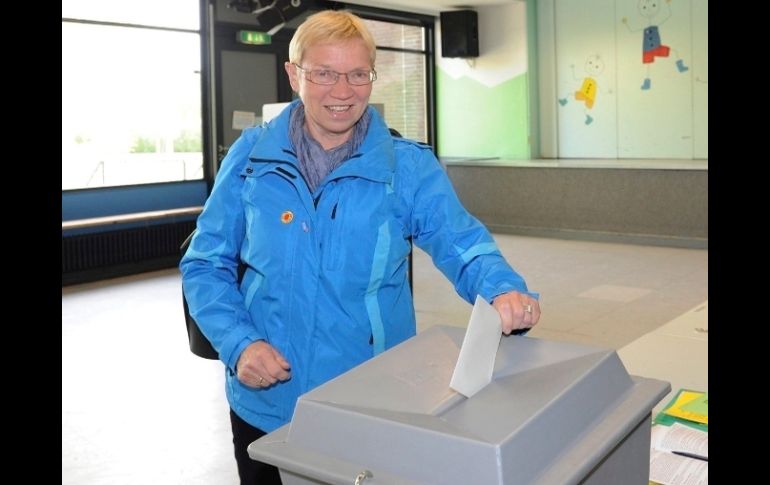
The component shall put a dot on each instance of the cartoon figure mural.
(652, 46)
(594, 66)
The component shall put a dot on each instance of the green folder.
(668, 420)
(699, 405)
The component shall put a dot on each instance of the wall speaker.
(459, 33)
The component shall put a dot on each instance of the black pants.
(252, 472)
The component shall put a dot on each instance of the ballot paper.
(476, 362)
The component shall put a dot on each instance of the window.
(401, 77)
(131, 93)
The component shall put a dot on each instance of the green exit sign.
(252, 37)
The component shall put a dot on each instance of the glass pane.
(400, 86)
(181, 14)
(131, 106)
(399, 36)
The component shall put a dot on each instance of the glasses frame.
(337, 75)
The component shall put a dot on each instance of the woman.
(320, 205)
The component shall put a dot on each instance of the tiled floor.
(139, 408)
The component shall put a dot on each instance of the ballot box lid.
(553, 409)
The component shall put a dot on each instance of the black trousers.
(252, 472)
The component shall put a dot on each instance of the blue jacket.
(326, 279)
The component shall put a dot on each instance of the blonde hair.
(328, 27)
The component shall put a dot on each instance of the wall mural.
(594, 67)
(652, 46)
(611, 105)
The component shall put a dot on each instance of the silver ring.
(261, 380)
(528, 308)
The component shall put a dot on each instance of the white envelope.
(477, 354)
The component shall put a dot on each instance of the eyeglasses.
(327, 77)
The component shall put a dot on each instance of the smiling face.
(331, 111)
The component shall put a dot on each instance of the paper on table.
(477, 354)
(670, 469)
(678, 437)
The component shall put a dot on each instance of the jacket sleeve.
(210, 265)
(459, 244)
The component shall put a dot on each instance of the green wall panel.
(474, 120)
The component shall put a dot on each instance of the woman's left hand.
(517, 311)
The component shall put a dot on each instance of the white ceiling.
(429, 7)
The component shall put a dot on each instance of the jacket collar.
(374, 159)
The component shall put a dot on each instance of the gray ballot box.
(555, 412)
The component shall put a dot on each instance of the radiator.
(89, 257)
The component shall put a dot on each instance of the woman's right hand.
(261, 365)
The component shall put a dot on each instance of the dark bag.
(199, 344)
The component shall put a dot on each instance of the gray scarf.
(315, 163)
